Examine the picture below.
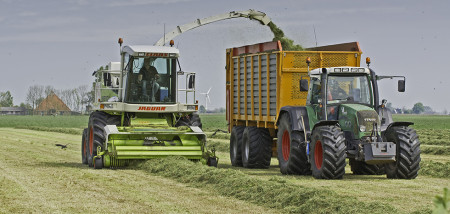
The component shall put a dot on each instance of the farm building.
(52, 105)
(13, 111)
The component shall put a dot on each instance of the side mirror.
(303, 85)
(191, 82)
(401, 86)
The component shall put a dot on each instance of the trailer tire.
(362, 168)
(256, 148)
(407, 162)
(328, 153)
(291, 149)
(84, 156)
(235, 145)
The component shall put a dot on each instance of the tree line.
(76, 98)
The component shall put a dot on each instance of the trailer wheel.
(84, 156)
(291, 149)
(408, 158)
(328, 153)
(256, 148)
(235, 145)
(362, 168)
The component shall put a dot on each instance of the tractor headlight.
(362, 128)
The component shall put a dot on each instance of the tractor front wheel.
(407, 161)
(328, 153)
(291, 149)
(256, 148)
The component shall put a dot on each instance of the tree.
(418, 108)
(35, 95)
(202, 109)
(6, 100)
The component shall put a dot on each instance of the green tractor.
(343, 119)
(137, 112)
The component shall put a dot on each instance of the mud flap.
(379, 152)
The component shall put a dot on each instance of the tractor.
(343, 119)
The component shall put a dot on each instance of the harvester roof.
(148, 50)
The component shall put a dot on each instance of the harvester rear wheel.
(84, 156)
(236, 145)
(407, 161)
(362, 168)
(328, 153)
(291, 149)
(256, 148)
(212, 161)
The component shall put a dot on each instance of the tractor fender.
(296, 113)
(394, 124)
(326, 123)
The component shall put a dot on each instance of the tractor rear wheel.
(291, 149)
(235, 145)
(328, 153)
(84, 156)
(256, 148)
(407, 161)
(362, 168)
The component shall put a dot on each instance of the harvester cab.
(138, 112)
(348, 122)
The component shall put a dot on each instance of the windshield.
(151, 80)
(352, 89)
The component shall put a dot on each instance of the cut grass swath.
(273, 193)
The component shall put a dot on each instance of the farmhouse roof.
(52, 102)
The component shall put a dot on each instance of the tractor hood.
(359, 119)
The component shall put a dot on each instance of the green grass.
(435, 169)
(44, 121)
(425, 121)
(212, 122)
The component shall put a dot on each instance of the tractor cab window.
(314, 88)
(348, 89)
(151, 80)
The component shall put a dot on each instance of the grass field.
(36, 176)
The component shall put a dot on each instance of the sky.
(60, 43)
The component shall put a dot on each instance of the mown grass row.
(275, 193)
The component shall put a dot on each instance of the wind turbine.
(207, 98)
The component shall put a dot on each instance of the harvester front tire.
(408, 158)
(256, 148)
(328, 153)
(362, 168)
(196, 121)
(84, 152)
(236, 145)
(291, 149)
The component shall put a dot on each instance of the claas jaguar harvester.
(313, 109)
(137, 110)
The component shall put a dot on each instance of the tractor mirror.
(191, 82)
(401, 86)
(303, 85)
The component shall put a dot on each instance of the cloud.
(144, 2)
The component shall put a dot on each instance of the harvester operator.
(147, 78)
